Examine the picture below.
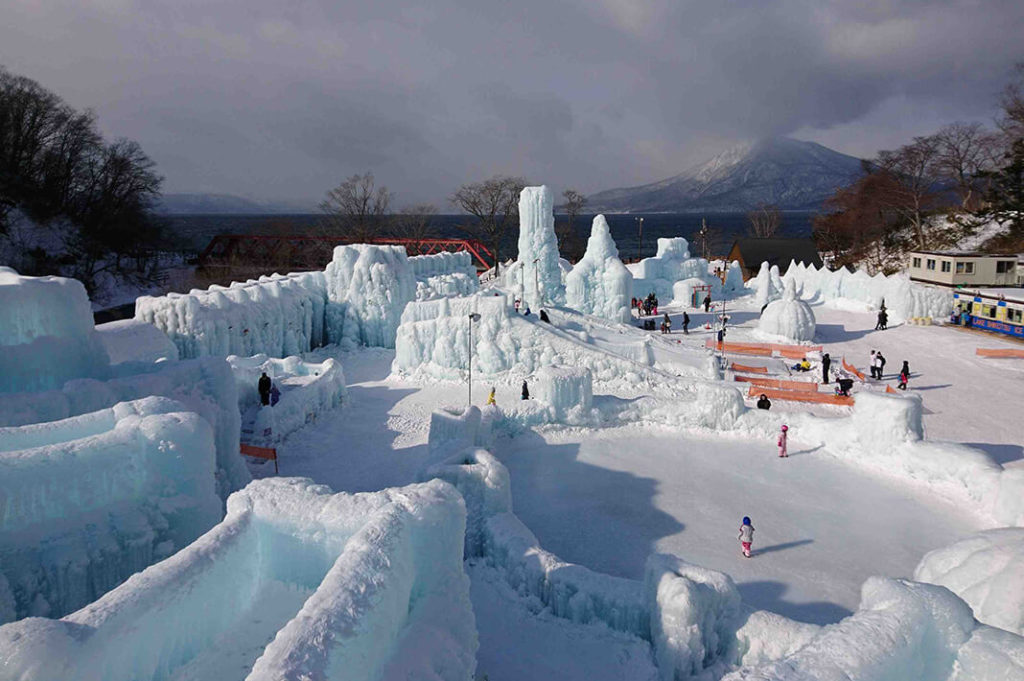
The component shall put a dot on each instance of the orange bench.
(853, 370)
(268, 453)
(799, 386)
(799, 396)
(1000, 352)
(749, 370)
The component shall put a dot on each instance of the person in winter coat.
(880, 363)
(707, 303)
(782, 442)
(686, 322)
(746, 536)
(544, 317)
(526, 391)
(764, 403)
(275, 395)
(516, 304)
(490, 397)
(668, 323)
(871, 364)
(826, 362)
(263, 385)
(526, 312)
(904, 375)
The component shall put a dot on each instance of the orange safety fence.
(756, 349)
(268, 453)
(853, 370)
(1000, 352)
(799, 396)
(748, 369)
(800, 386)
(890, 390)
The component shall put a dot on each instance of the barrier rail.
(763, 349)
(853, 370)
(268, 453)
(748, 369)
(798, 386)
(796, 396)
(1000, 352)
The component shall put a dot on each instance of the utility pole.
(640, 239)
(473, 317)
(536, 283)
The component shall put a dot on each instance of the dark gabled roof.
(777, 251)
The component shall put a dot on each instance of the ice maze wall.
(903, 298)
(277, 315)
(47, 335)
(382, 572)
(90, 500)
(308, 389)
(671, 263)
(444, 274)
(205, 386)
(368, 287)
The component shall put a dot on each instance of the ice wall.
(364, 586)
(46, 333)
(90, 500)
(568, 391)
(903, 298)
(733, 278)
(672, 263)
(537, 242)
(308, 390)
(276, 315)
(453, 429)
(129, 340)
(204, 386)
(444, 274)
(788, 319)
(986, 570)
(368, 287)
(600, 284)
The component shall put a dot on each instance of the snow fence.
(308, 389)
(903, 298)
(444, 274)
(204, 386)
(278, 315)
(47, 335)
(90, 500)
(360, 586)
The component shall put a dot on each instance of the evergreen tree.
(1006, 188)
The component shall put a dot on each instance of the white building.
(967, 269)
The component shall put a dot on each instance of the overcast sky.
(280, 100)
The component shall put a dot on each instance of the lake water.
(195, 231)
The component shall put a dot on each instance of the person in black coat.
(544, 317)
(686, 322)
(764, 403)
(826, 362)
(264, 387)
(526, 391)
(707, 303)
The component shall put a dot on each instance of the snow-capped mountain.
(791, 174)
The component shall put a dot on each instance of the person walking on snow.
(904, 375)
(782, 442)
(746, 536)
(264, 388)
(668, 323)
(490, 398)
(686, 323)
(826, 362)
(880, 363)
(275, 395)
(526, 391)
(871, 364)
(707, 303)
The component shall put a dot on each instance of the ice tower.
(600, 284)
(538, 249)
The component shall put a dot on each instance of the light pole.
(473, 317)
(640, 239)
(536, 283)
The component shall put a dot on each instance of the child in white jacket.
(746, 536)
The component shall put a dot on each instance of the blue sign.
(997, 326)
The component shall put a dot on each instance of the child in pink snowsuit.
(782, 442)
(746, 536)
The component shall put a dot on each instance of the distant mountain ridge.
(789, 173)
(200, 204)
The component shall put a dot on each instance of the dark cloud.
(282, 100)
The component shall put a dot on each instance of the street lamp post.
(640, 239)
(473, 317)
(536, 283)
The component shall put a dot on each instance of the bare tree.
(915, 168)
(765, 220)
(495, 204)
(569, 241)
(965, 150)
(416, 222)
(357, 208)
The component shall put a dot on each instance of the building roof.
(965, 254)
(1015, 295)
(777, 251)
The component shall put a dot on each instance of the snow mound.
(903, 299)
(295, 582)
(987, 571)
(278, 315)
(368, 286)
(733, 279)
(47, 335)
(567, 390)
(789, 319)
(129, 340)
(538, 248)
(600, 284)
(444, 274)
(204, 386)
(90, 500)
(308, 389)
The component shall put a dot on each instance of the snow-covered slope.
(791, 174)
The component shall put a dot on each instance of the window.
(968, 268)
(959, 268)
(1015, 316)
(946, 266)
(988, 311)
(916, 263)
(1004, 266)
(931, 264)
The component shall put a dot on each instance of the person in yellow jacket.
(490, 398)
